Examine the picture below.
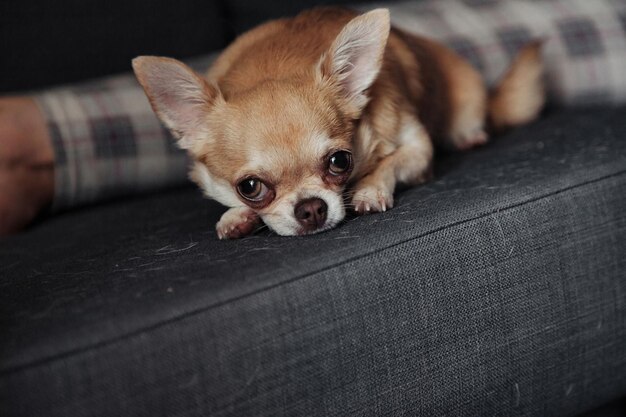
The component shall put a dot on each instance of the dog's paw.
(237, 222)
(372, 199)
(469, 140)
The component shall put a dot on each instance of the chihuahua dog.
(302, 118)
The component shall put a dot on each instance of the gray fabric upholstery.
(497, 289)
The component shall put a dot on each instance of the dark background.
(44, 43)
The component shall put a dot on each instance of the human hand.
(26, 163)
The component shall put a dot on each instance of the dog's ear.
(180, 97)
(354, 59)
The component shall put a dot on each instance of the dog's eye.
(252, 189)
(340, 162)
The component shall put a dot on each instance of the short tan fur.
(300, 119)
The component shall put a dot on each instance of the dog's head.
(283, 148)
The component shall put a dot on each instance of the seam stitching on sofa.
(37, 362)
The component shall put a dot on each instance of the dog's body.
(297, 109)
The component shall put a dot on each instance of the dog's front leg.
(237, 222)
(410, 163)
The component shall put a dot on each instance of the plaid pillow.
(108, 142)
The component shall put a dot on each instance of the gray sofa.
(496, 289)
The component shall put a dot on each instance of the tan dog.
(297, 110)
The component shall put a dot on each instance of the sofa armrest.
(497, 289)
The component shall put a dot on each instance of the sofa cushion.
(45, 43)
(245, 14)
(496, 289)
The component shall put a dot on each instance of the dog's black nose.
(311, 213)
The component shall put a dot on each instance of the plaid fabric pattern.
(585, 49)
(108, 142)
